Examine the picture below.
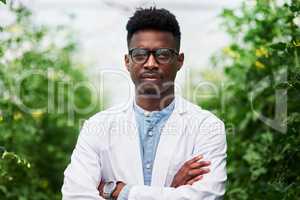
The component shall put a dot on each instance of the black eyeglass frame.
(153, 52)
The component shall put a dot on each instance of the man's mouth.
(149, 76)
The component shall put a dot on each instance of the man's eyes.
(163, 54)
(140, 53)
(159, 53)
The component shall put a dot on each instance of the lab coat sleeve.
(211, 143)
(83, 174)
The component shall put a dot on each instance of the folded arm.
(212, 186)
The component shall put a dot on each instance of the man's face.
(153, 76)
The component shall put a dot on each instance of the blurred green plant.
(41, 106)
(262, 78)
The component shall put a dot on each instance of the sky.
(100, 29)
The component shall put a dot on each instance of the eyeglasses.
(161, 55)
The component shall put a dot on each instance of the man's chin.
(149, 87)
(149, 91)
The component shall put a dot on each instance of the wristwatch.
(108, 189)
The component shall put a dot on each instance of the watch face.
(109, 187)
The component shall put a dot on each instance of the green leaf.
(278, 46)
(3, 1)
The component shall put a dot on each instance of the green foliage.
(261, 68)
(40, 111)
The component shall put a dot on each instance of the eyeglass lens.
(161, 55)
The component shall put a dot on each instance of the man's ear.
(180, 61)
(127, 62)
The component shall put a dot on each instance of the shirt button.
(147, 114)
(150, 133)
(148, 166)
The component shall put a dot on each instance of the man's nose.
(151, 62)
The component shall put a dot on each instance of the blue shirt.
(150, 125)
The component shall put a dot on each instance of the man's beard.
(149, 90)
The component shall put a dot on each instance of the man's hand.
(115, 193)
(190, 172)
(100, 188)
(118, 189)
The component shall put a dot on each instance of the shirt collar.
(167, 110)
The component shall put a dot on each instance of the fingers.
(197, 172)
(192, 181)
(195, 169)
(100, 187)
(102, 182)
(199, 164)
(191, 171)
(196, 163)
(195, 159)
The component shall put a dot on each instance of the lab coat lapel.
(167, 144)
(132, 142)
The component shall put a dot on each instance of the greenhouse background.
(56, 70)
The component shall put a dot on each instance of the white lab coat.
(108, 148)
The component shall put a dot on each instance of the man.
(160, 146)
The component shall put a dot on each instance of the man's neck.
(153, 102)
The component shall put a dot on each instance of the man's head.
(156, 19)
(153, 42)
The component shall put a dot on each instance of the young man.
(160, 146)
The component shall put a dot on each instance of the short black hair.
(153, 18)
